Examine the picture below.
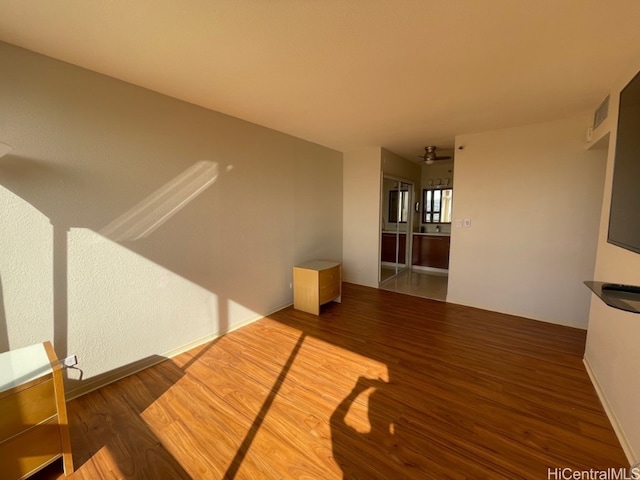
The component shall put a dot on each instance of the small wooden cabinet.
(431, 251)
(34, 430)
(316, 283)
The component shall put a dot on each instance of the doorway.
(395, 228)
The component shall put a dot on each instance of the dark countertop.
(622, 297)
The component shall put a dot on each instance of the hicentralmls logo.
(559, 473)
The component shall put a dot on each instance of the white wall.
(613, 338)
(361, 216)
(88, 148)
(532, 194)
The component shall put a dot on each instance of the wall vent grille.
(602, 112)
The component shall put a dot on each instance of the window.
(436, 205)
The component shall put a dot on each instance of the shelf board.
(616, 295)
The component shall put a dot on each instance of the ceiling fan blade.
(430, 155)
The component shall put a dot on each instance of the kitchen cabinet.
(431, 251)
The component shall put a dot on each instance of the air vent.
(602, 112)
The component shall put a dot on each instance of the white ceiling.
(348, 74)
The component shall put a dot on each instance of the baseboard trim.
(431, 270)
(617, 428)
(112, 376)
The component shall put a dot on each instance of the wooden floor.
(382, 386)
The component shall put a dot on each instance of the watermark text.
(559, 473)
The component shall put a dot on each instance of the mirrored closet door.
(396, 201)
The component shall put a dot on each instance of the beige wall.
(613, 339)
(440, 169)
(361, 216)
(531, 194)
(88, 148)
(399, 167)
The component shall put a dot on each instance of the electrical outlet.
(70, 361)
(467, 223)
(459, 223)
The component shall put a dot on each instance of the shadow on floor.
(129, 437)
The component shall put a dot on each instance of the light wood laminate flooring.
(381, 386)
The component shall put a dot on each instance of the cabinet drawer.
(26, 408)
(329, 276)
(31, 450)
(329, 292)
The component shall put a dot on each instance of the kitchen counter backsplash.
(428, 229)
(433, 234)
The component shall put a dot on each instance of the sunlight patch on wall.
(4, 149)
(26, 269)
(236, 310)
(148, 215)
(124, 307)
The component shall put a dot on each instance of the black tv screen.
(624, 218)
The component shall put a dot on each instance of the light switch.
(467, 223)
(459, 223)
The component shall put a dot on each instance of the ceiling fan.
(430, 155)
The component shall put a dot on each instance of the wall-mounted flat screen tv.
(624, 218)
